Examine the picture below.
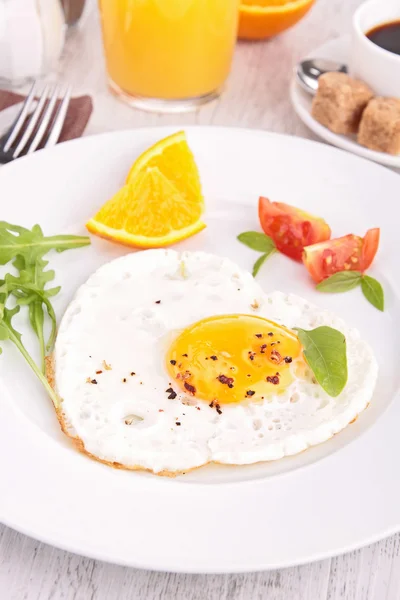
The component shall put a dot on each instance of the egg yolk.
(232, 358)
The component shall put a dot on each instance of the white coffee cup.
(378, 68)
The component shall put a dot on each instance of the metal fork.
(41, 125)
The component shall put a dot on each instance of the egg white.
(124, 317)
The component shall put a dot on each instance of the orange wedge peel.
(260, 19)
(161, 202)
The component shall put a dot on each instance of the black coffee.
(387, 36)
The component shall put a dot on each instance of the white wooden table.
(257, 97)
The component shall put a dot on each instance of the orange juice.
(168, 49)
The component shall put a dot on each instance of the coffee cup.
(377, 67)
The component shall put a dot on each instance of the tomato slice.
(291, 228)
(347, 253)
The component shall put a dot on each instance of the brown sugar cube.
(380, 125)
(339, 102)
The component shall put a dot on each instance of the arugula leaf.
(325, 354)
(7, 332)
(340, 282)
(26, 248)
(33, 295)
(256, 241)
(260, 261)
(373, 291)
(16, 240)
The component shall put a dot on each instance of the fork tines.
(39, 122)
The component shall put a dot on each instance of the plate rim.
(175, 568)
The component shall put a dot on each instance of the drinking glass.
(168, 55)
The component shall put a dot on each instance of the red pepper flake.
(274, 379)
(250, 393)
(177, 423)
(213, 357)
(94, 381)
(206, 357)
(259, 335)
(99, 372)
(276, 357)
(248, 375)
(218, 409)
(124, 380)
(133, 373)
(226, 380)
(211, 405)
(288, 359)
(158, 301)
(160, 410)
(251, 355)
(270, 333)
(173, 362)
(190, 388)
(262, 348)
(185, 355)
(172, 396)
(198, 407)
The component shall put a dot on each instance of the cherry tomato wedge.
(291, 228)
(347, 253)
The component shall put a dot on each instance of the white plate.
(337, 50)
(331, 498)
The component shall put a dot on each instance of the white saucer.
(337, 50)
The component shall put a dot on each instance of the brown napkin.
(78, 114)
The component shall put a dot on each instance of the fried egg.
(167, 361)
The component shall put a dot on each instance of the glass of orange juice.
(168, 55)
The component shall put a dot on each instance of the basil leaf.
(373, 291)
(325, 353)
(340, 282)
(256, 241)
(259, 262)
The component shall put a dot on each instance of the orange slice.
(174, 159)
(161, 202)
(259, 19)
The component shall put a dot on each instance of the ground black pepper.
(226, 380)
(190, 388)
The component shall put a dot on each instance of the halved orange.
(259, 19)
(161, 202)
